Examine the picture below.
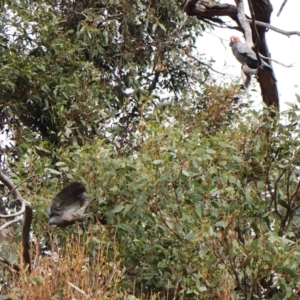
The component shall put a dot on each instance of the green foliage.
(197, 196)
(194, 215)
(68, 69)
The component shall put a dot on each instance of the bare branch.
(27, 209)
(256, 35)
(7, 224)
(209, 67)
(16, 186)
(245, 25)
(258, 23)
(77, 288)
(26, 238)
(16, 194)
(284, 32)
(281, 7)
(207, 12)
(266, 79)
(276, 61)
(20, 212)
(212, 12)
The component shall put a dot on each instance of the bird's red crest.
(234, 39)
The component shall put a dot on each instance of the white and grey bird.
(245, 55)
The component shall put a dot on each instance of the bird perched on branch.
(245, 55)
(69, 206)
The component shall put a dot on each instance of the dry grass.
(79, 270)
(85, 268)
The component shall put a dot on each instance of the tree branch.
(204, 10)
(20, 212)
(276, 61)
(27, 209)
(209, 67)
(255, 33)
(243, 22)
(263, 24)
(281, 7)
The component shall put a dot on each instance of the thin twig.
(209, 67)
(258, 23)
(76, 288)
(281, 7)
(277, 62)
(16, 194)
(13, 215)
(10, 191)
(10, 222)
(267, 25)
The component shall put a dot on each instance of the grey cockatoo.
(244, 54)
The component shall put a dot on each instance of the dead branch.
(20, 212)
(7, 224)
(209, 67)
(277, 62)
(266, 79)
(255, 33)
(16, 186)
(206, 11)
(246, 26)
(77, 288)
(284, 32)
(26, 238)
(27, 209)
(281, 7)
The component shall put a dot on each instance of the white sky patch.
(282, 48)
